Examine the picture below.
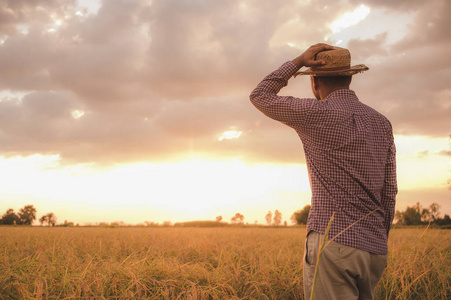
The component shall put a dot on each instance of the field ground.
(197, 263)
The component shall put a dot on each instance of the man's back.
(347, 145)
(350, 158)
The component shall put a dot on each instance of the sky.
(136, 111)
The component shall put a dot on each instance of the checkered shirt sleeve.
(350, 156)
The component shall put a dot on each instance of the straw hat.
(338, 63)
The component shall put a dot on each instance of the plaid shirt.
(350, 157)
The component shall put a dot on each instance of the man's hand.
(307, 59)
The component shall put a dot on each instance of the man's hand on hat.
(307, 59)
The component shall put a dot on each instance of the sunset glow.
(230, 134)
(76, 114)
(139, 110)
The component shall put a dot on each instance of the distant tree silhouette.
(27, 214)
(277, 218)
(237, 218)
(416, 215)
(218, 218)
(67, 224)
(411, 216)
(148, 223)
(445, 221)
(300, 217)
(10, 218)
(268, 218)
(433, 212)
(49, 218)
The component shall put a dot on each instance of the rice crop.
(197, 263)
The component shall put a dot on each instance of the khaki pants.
(343, 272)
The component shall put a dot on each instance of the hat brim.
(348, 72)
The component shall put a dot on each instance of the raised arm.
(285, 109)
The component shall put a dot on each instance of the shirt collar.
(342, 94)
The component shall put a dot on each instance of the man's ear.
(316, 83)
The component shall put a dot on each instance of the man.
(350, 157)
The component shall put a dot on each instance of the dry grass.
(419, 265)
(197, 263)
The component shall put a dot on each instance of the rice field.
(197, 263)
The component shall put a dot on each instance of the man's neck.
(326, 92)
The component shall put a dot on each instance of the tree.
(49, 218)
(301, 216)
(277, 218)
(268, 217)
(445, 221)
(27, 214)
(10, 218)
(218, 219)
(52, 219)
(68, 224)
(431, 214)
(237, 218)
(411, 216)
(416, 215)
(434, 211)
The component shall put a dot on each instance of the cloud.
(158, 79)
(401, 5)
(24, 12)
(445, 153)
(411, 88)
(410, 79)
(204, 50)
(368, 47)
(423, 153)
(429, 27)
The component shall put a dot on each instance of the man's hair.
(335, 81)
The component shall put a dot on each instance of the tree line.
(26, 216)
(417, 215)
(413, 215)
